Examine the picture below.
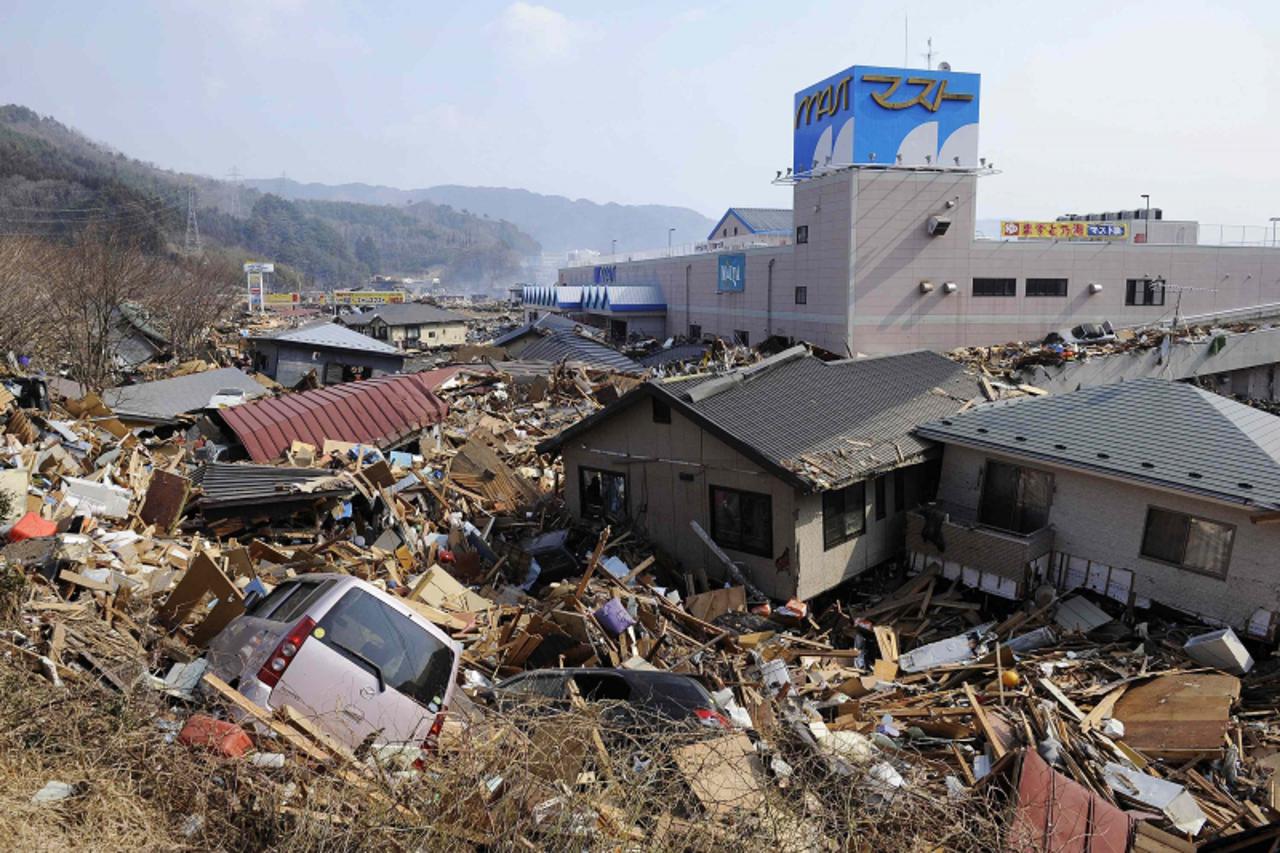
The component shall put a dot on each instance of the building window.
(843, 514)
(661, 412)
(1015, 498)
(1191, 543)
(431, 334)
(1144, 291)
(742, 521)
(724, 232)
(802, 233)
(412, 332)
(604, 493)
(741, 338)
(899, 490)
(995, 287)
(802, 296)
(1046, 287)
(695, 332)
(735, 230)
(882, 498)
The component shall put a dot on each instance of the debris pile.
(901, 712)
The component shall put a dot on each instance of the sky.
(1085, 106)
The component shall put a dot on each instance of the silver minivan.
(360, 663)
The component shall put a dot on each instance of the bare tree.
(195, 295)
(24, 264)
(87, 295)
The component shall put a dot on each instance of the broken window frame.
(608, 507)
(1023, 516)
(661, 411)
(728, 533)
(844, 514)
(1192, 525)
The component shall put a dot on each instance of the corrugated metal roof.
(406, 314)
(333, 336)
(380, 412)
(569, 346)
(224, 484)
(824, 424)
(1153, 431)
(165, 399)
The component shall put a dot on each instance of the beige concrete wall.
(1102, 520)
(869, 250)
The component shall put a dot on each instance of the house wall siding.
(1102, 520)
(881, 540)
(653, 456)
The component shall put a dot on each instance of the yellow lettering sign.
(824, 102)
(931, 95)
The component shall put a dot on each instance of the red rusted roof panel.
(377, 411)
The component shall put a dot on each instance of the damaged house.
(800, 470)
(334, 353)
(1145, 491)
(410, 325)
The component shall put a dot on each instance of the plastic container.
(32, 526)
(613, 617)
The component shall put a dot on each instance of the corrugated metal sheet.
(380, 412)
(570, 346)
(223, 484)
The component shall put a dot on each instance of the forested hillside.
(54, 181)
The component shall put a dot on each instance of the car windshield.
(388, 644)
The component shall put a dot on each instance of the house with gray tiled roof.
(411, 325)
(335, 353)
(800, 470)
(1144, 491)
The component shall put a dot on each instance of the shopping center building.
(880, 255)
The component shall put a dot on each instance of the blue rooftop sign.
(868, 115)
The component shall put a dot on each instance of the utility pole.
(191, 243)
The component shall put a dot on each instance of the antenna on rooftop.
(929, 54)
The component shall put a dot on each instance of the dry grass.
(495, 785)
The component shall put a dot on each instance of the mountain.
(557, 222)
(54, 181)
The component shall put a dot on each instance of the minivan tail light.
(712, 719)
(286, 652)
(431, 743)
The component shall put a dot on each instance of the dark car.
(632, 696)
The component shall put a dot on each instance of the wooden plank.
(1062, 698)
(1103, 709)
(80, 580)
(290, 735)
(980, 714)
(298, 720)
(591, 565)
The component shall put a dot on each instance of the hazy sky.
(1084, 105)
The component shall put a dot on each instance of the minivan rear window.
(371, 634)
(289, 600)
